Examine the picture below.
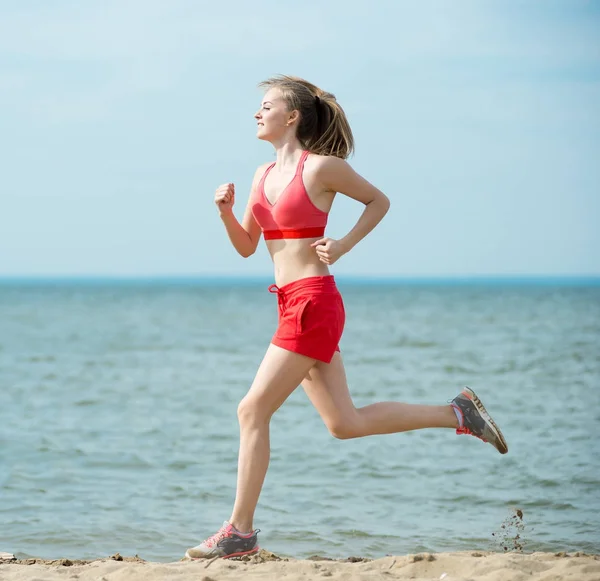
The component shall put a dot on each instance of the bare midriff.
(294, 259)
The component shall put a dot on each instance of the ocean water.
(118, 428)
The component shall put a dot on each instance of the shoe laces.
(465, 430)
(221, 533)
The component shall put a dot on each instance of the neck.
(288, 153)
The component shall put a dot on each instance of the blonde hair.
(323, 127)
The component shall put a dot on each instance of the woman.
(289, 204)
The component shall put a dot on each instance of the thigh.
(326, 386)
(278, 375)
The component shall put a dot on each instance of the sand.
(459, 566)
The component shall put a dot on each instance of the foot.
(475, 421)
(226, 542)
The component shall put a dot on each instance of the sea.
(119, 433)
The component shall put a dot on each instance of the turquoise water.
(118, 427)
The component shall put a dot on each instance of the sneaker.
(226, 542)
(475, 420)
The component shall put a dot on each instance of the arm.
(244, 236)
(336, 175)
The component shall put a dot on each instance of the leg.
(326, 387)
(278, 376)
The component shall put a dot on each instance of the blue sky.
(480, 121)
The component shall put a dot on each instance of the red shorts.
(311, 317)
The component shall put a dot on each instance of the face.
(273, 119)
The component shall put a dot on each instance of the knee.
(251, 413)
(344, 430)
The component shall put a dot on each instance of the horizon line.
(593, 279)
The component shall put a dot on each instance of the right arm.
(244, 236)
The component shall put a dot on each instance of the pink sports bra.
(293, 215)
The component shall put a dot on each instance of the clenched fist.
(225, 198)
(329, 250)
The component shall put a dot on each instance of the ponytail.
(323, 128)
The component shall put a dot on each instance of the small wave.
(40, 359)
(376, 474)
(547, 483)
(413, 343)
(132, 461)
(542, 503)
(179, 465)
(586, 480)
(364, 360)
(86, 402)
(458, 369)
(353, 534)
(473, 500)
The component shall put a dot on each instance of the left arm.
(336, 175)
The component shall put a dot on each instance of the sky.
(479, 120)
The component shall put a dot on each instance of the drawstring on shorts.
(280, 297)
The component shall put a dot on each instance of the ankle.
(458, 414)
(241, 526)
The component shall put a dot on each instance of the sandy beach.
(265, 566)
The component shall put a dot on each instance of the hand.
(328, 250)
(225, 198)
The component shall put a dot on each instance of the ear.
(293, 117)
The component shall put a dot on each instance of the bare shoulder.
(337, 175)
(260, 170)
(329, 169)
(326, 163)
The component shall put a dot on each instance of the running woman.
(289, 204)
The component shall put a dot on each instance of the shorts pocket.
(301, 316)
